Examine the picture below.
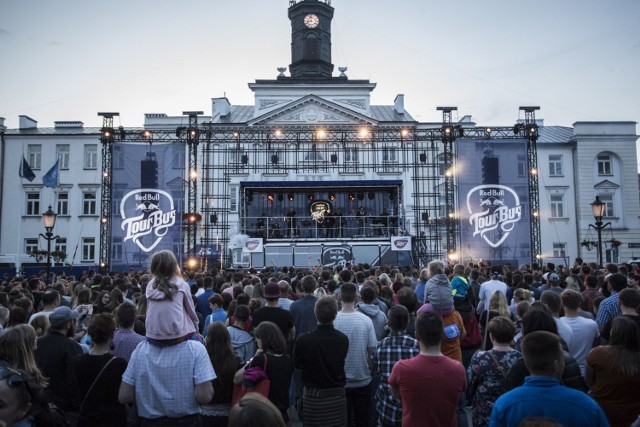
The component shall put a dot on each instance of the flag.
(25, 171)
(51, 178)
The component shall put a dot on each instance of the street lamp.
(598, 208)
(49, 221)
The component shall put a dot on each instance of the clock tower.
(310, 39)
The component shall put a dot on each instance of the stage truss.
(224, 151)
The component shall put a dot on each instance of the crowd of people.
(348, 346)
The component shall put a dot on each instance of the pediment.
(312, 110)
(606, 185)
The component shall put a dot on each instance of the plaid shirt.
(396, 346)
(608, 310)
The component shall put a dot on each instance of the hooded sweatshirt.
(244, 346)
(170, 318)
(376, 315)
(438, 293)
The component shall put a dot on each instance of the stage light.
(270, 197)
(488, 130)
(516, 128)
(236, 134)
(193, 174)
(179, 131)
(103, 220)
(360, 196)
(290, 197)
(363, 132)
(332, 197)
(192, 262)
(321, 134)
(146, 133)
(535, 214)
(311, 197)
(277, 132)
(105, 174)
(449, 173)
(352, 196)
(534, 171)
(404, 132)
(280, 197)
(372, 196)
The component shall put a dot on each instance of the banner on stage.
(147, 194)
(493, 201)
(400, 243)
(254, 245)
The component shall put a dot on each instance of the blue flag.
(51, 178)
(25, 171)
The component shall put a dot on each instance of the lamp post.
(49, 221)
(597, 207)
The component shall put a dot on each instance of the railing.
(331, 227)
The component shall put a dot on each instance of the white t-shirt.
(584, 332)
(488, 288)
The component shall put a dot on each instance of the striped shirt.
(361, 334)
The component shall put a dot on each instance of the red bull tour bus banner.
(493, 202)
(148, 199)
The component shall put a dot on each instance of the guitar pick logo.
(493, 207)
(400, 243)
(147, 227)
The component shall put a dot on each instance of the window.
(609, 210)
(522, 166)
(557, 206)
(35, 156)
(559, 250)
(117, 159)
(30, 245)
(351, 155)
(604, 164)
(89, 203)
(116, 249)
(177, 156)
(61, 244)
(555, 165)
(91, 156)
(88, 249)
(62, 152)
(63, 204)
(313, 156)
(33, 204)
(233, 199)
(389, 155)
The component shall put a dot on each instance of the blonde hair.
(164, 267)
(319, 293)
(522, 294)
(498, 303)
(16, 345)
(572, 283)
(41, 325)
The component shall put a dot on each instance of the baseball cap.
(553, 277)
(62, 315)
(271, 290)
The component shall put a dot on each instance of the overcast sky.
(68, 59)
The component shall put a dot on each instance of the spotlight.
(352, 196)
(280, 197)
(360, 196)
(290, 197)
(517, 128)
(332, 197)
(311, 197)
(270, 197)
(179, 131)
(372, 196)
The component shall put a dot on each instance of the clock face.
(311, 21)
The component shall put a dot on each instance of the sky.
(68, 60)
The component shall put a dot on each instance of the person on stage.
(290, 220)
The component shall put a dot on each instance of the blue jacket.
(546, 397)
